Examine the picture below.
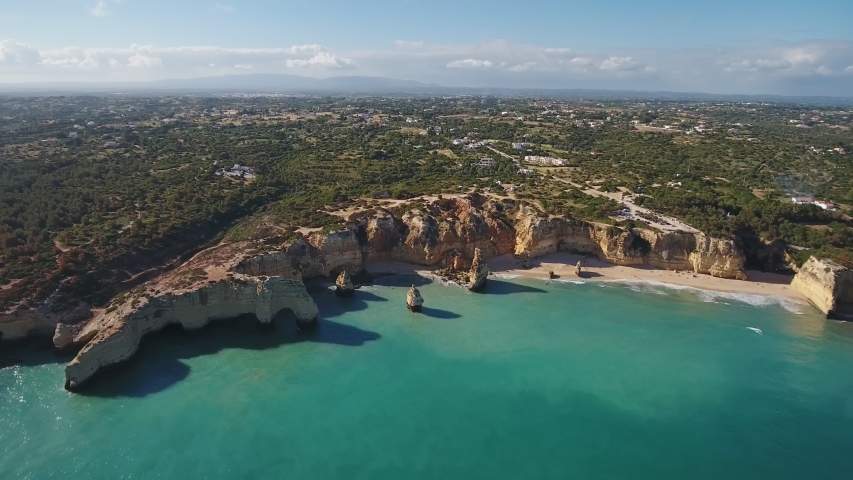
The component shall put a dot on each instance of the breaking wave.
(711, 296)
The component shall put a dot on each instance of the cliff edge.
(827, 286)
(264, 275)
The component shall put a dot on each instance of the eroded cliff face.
(263, 276)
(192, 296)
(828, 287)
(479, 273)
(24, 322)
(537, 236)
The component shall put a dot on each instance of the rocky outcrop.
(414, 300)
(537, 235)
(24, 322)
(264, 275)
(479, 272)
(827, 286)
(204, 290)
(343, 285)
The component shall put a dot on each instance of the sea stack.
(414, 300)
(479, 272)
(578, 269)
(343, 285)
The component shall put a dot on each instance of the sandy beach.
(563, 265)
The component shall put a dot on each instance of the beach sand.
(563, 265)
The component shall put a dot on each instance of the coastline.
(595, 270)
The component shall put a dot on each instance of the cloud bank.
(805, 68)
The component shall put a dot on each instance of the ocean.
(531, 379)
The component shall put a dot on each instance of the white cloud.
(243, 67)
(815, 68)
(620, 64)
(409, 44)
(470, 63)
(305, 49)
(522, 67)
(100, 9)
(223, 8)
(322, 60)
(14, 53)
(140, 60)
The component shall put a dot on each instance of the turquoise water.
(530, 380)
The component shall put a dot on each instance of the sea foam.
(712, 296)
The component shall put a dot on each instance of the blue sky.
(725, 46)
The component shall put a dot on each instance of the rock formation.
(265, 274)
(207, 289)
(414, 300)
(23, 322)
(343, 285)
(537, 235)
(479, 272)
(578, 268)
(827, 286)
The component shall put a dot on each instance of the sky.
(725, 46)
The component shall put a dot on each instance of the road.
(637, 212)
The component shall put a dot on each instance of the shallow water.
(528, 380)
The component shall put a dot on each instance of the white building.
(486, 162)
(557, 162)
(239, 171)
(802, 200)
(825, 205)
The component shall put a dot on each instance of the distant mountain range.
(283, 83)
(255, 82)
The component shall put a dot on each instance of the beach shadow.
(403, 280)
(499, 287)
(31, 352)
(160, 362)
(330, 305)
(589, 275)
(438, 313)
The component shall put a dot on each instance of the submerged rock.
(414, 300)
(343, 285)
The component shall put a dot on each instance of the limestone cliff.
(828, 286)
(204, 290)
(537, 235)
(264, 275)
(23, 322)
(479, 272)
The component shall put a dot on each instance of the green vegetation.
(142, 183)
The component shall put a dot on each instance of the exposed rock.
(578, 268)
(24, 322)
(479, 272)
(264, 276)
(343, 285)
(537, 235)
(551, 274)
(208, 288)
(827, 286)
(414, 300)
